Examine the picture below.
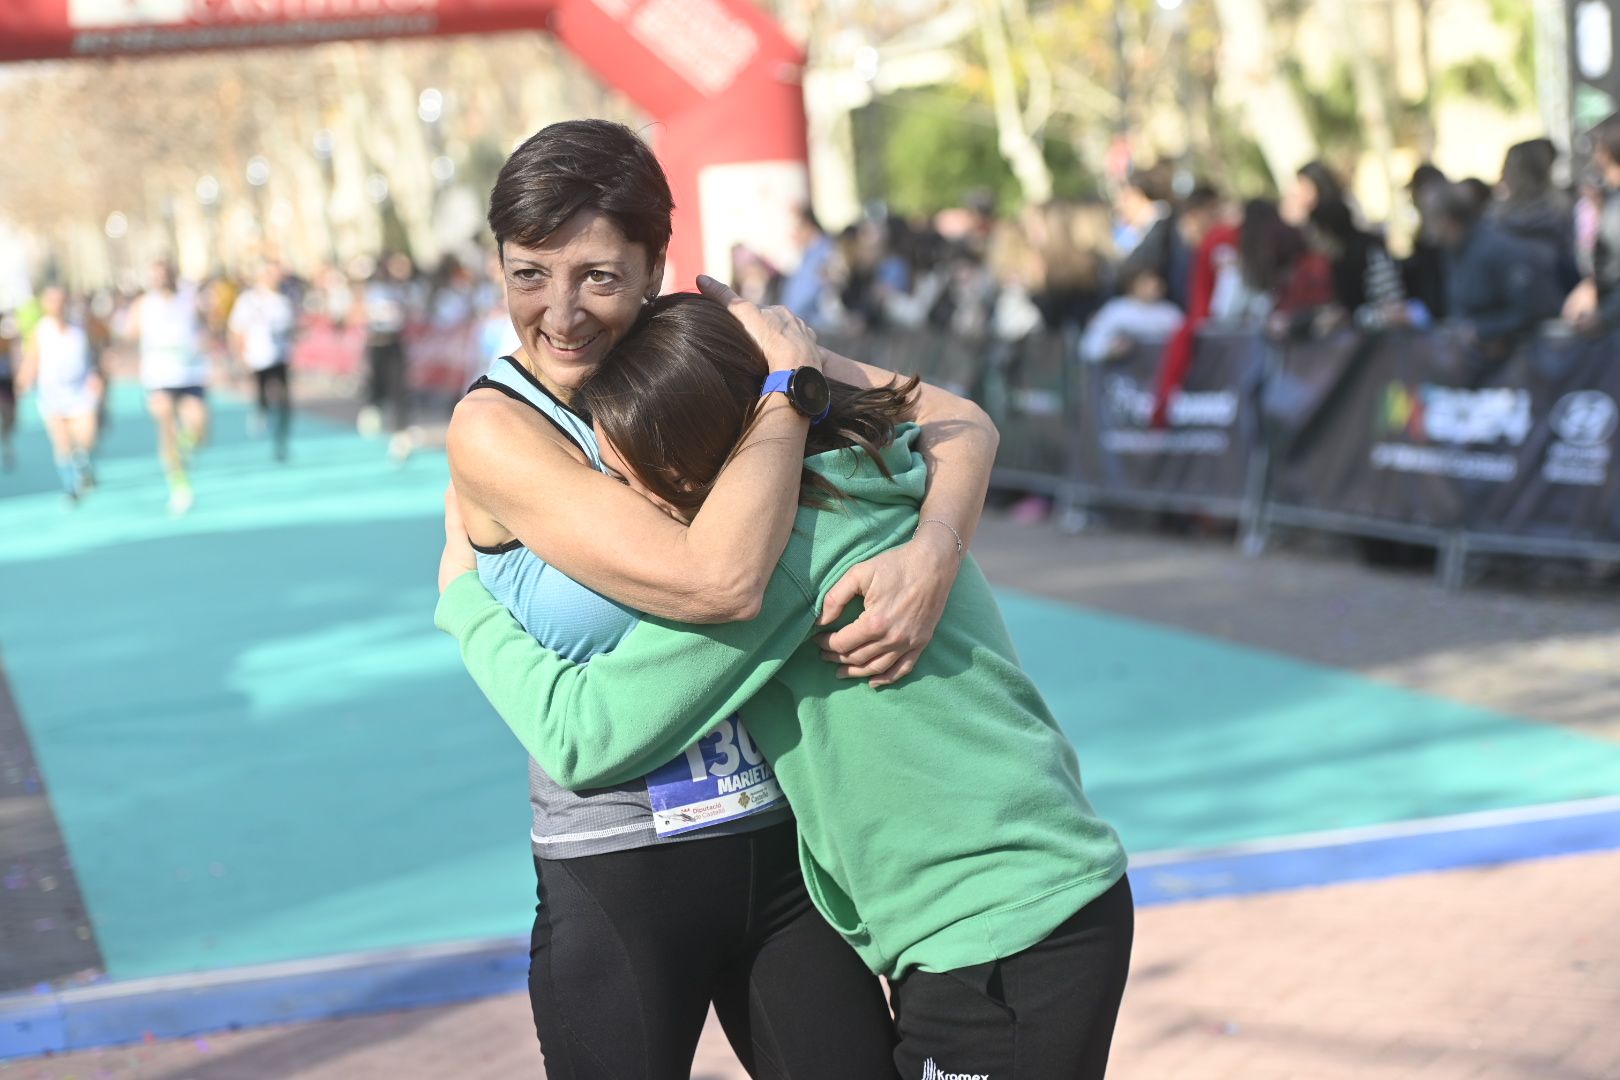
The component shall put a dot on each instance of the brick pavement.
(1504, 973)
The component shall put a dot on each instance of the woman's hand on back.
(904, 590)
(785, 339)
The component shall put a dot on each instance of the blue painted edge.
(174, 1007)
(184, 1006)
(1235, 872)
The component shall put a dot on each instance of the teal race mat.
(259, 749)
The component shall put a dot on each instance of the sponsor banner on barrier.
(1204, 448)
(1423, 430)
(1026, 389)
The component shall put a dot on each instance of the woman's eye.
(599, 277)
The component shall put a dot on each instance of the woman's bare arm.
(607, 537)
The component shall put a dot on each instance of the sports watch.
(805, 387)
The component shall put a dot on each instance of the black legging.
(387, 390)
(630, 948)
(275, 401)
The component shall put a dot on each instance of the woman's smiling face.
(574, 295)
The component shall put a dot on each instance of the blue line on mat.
(1378, 852)
(179, 1006)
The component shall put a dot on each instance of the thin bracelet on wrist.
(941, 521)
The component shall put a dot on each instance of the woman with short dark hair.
(663, 893)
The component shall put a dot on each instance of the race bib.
(722, 777)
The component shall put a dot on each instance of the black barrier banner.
(1423, 429)
(1025, 389)
(1203, 451)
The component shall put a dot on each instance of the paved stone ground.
(1508, 973)
(1505, 972)
(1539, 640)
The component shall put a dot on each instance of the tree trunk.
(1255, 87)
(1371, 104)
(1023, 154)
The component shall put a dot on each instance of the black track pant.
(630, 948)
(1046, 1013)
(386, 388)
(275, 402)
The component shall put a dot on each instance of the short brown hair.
(581, 165)
(682, 388)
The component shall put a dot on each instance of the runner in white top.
(57, 365)
(166, 324)
(261, 334)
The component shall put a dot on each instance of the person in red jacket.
(1217, 249)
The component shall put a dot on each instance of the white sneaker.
(181, 500)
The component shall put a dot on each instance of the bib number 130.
(733, 748)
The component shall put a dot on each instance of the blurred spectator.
(1530, 207)
(1478, 192)
(1423, 272)
(452, 302)
(1141, 202)
(1017, 273)
(861, 249)
(1366, 282)
(1170, 244)
(1073, 243)
(1594, 305)
(755, 279)
(805, 291)
(1499, 286)
(1250, 280)
(1141, 313)
(1314, 185)
(1217, 251)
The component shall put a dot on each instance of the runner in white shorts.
(57, 365)
(166, 325)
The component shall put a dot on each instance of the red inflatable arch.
(719, 76)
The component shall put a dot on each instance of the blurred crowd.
(1171, 254)
(1166, 257)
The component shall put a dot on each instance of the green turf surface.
(259, 748)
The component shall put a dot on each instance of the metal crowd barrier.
(1413, 437)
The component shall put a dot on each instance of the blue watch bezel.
(781, 382)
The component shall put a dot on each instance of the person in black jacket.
(1498, 286)
(1171, 243)
(1531, 207)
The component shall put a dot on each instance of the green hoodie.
(941, 820)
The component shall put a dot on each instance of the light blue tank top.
(576, 623)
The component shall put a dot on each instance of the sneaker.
(186, 441)
(369, 422)
(181, 499)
